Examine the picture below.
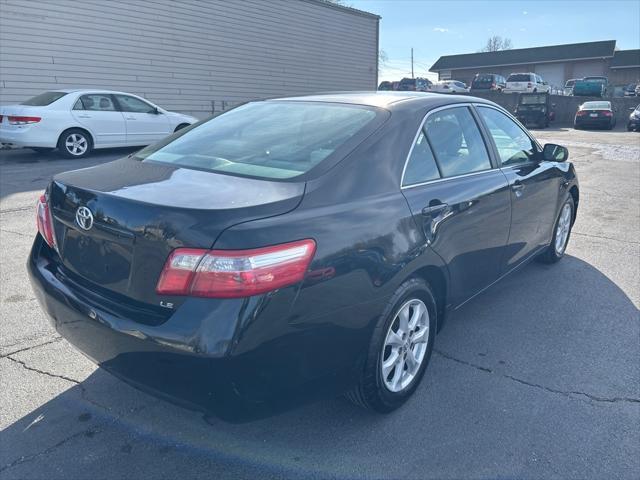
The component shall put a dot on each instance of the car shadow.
(565, 328)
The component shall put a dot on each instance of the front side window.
(457, 142)
(132, 104)
(421, 165)
(100, 102)
(513, 144)
(44, 99)
(265, 139)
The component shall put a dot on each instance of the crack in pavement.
(568, 394)
(29, 458)
(26, 349)
(605, 238)
(16, 233)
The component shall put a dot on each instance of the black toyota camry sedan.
(297, 248)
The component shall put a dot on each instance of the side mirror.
(631, 109)
(155, 111)
(554, 153)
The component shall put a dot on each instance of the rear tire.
(561, 234)
(75, 143)
(399, 351)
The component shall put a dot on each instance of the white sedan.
(448, 86)
(77, 121)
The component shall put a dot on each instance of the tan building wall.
(624, 76)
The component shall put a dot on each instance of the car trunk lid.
(141, 211)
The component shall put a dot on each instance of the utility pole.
(412, 63)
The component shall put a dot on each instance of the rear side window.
(44, 99)
(132, 104)
(100, 102)
(266, 139)
(457, 143)
(421, 166)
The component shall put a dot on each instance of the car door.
(145, 124)
(534, 184)
(459, 199)
(97, 113)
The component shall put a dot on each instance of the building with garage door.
(191, 56)
(555, 63)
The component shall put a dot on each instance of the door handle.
(517, 187)
(84, 116)
(433, 209)
(130, 118)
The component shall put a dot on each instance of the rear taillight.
(580, 113)
(493, 85)
(607, 113)
(529, 85)
(44, 221)
(235, 273)
(19, 120)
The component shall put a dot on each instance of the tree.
(497, 43)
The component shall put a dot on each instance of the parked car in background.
(204, 268)
(591, 87)
(385, 86)
(535, 109)
(449, 86)
(629, 90)
(638, 90)
(78, 121)
(595, 114)
(526, 82)
(415, 84)
(488, 81)
(568, 86)
(634, 119)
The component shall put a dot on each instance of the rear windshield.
(519, 77)
(596, 106)
(44, 99)
(483, 78)
(273, 140)
(532, 99)
(595, 79)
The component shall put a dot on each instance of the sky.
(435, 27)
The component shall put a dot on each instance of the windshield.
(44, 99)
(596, 106)
(533, 99)
(519, 77)
(265, 139)
(570, 83)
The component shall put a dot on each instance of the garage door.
(552, 73)
(587, 69)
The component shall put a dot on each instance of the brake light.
(580, 113)
(493, 85)
(607, 113)
(19, 120)
(44, 221)
(235, 273)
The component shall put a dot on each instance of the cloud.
(440, 29)
(524, 12)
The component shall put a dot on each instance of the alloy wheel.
(76, 144)
(405, 345)
(563, 228)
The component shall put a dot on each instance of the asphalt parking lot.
(538, 377)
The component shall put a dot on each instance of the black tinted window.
(46, 98)
(519, 77)
(421, 166)
(457, 142)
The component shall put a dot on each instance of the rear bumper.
(232, 358)
(592, 122)
(26, 136)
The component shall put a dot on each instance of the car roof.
(383, 99)
(87, 90)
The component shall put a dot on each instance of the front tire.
(75, 143)
(400, 349)
(561, 233)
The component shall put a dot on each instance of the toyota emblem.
(84, 218)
